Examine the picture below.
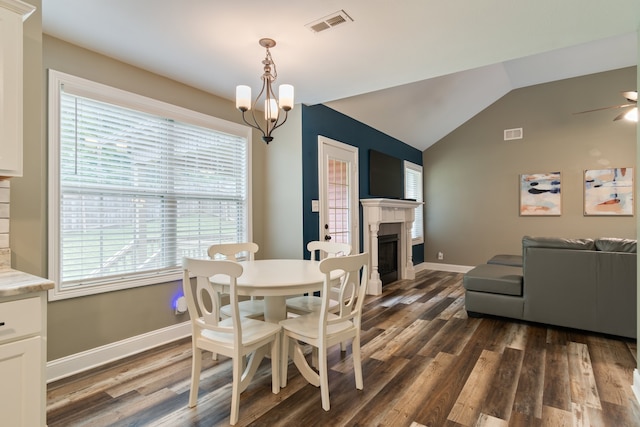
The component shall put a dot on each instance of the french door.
(339, 203)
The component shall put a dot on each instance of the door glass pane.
(338, 203)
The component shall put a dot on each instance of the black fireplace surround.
(388, 258)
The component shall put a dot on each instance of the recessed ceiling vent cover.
(510, 134)
(329, 21)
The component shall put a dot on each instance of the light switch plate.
(315, 206)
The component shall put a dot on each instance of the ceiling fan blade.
(605, 108)
(631, 96)
(623, 114)
(619, 117)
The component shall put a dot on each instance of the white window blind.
(138, 191)
(413, 190)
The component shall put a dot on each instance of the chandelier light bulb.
(285, 94)
(243, 98)
(270, 110)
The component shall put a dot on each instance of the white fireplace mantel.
(375, 212)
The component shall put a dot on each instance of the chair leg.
(324, 377)
(275, 364)
(235, 390)
(196, 364)
(284, 359)
(357, 361)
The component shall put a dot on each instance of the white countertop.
(14, 282)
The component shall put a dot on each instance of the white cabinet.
(23, 338)
(19, 366)
(12, 15)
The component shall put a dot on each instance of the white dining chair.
(234, 337)
(323, 329)
(304, 304)
(252, 307)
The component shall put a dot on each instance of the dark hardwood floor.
(425, 364)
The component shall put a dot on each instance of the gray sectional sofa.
(587, 284)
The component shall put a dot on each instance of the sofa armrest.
(616, 293)
(560, 287)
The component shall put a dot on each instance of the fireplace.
(388, 258)
(382, 217)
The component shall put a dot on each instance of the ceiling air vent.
(510, 134)
(329, 21)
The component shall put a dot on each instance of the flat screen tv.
(386, 176)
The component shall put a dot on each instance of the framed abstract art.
(608, 191)
(540, 194)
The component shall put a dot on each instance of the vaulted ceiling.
(413, 69)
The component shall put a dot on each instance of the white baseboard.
(636, 384)
(79, 362)
(445, 267)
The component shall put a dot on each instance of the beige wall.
(472, 175)
(29, 193)
(283, 206)
(83, 323)
(463, 220)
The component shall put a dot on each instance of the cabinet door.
(20, 387)
(12, 14)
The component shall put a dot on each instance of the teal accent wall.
(322, 120)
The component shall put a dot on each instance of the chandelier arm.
(286, 114)
(255, 123)
(254, 126)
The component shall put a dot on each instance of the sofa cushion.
(495, 279)
(504, 259)
(558, 243)
(614, 244)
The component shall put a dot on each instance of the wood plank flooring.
(424, 363)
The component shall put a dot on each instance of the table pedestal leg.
(275, 308)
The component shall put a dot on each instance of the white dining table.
(275, 279)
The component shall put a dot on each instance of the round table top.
(278, 277)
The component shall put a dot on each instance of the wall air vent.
(329, 21)
(510, 134)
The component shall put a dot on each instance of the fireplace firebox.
(388, 258)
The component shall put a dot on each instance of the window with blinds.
(413, 190)
(139, 188)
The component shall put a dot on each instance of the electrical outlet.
(440, 256)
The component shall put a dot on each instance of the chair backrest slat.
(203, 304)
(327, 249)
(231, 251)
(352, 284)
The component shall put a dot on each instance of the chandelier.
(272, 116)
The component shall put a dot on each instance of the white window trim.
(98, 91)
(417, 168)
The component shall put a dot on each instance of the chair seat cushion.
(494, 278)
(248, 308)
(308, 304)
(252, 331)
(307, 325)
